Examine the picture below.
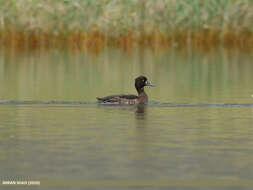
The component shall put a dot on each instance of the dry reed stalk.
(97, 41)
(96, 24)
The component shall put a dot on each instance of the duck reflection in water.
(141, 108)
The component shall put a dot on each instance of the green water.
(112, 142)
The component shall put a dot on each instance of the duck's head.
(140, 82)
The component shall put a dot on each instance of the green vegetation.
(124, 22)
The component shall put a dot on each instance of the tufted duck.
(142, 97)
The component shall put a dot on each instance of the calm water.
(159, 141)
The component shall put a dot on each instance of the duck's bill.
(149, 84)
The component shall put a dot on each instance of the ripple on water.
(153, 103)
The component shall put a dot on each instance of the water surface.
(208, 139)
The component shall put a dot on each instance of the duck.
(142, 98)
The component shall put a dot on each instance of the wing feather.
(115, 98)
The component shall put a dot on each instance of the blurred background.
(194, 47)
(85, 23)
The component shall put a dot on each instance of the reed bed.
(124, 23)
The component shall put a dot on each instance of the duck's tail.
(100, 99)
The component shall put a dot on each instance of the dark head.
(140, 82)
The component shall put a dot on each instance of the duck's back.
(121, 98)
